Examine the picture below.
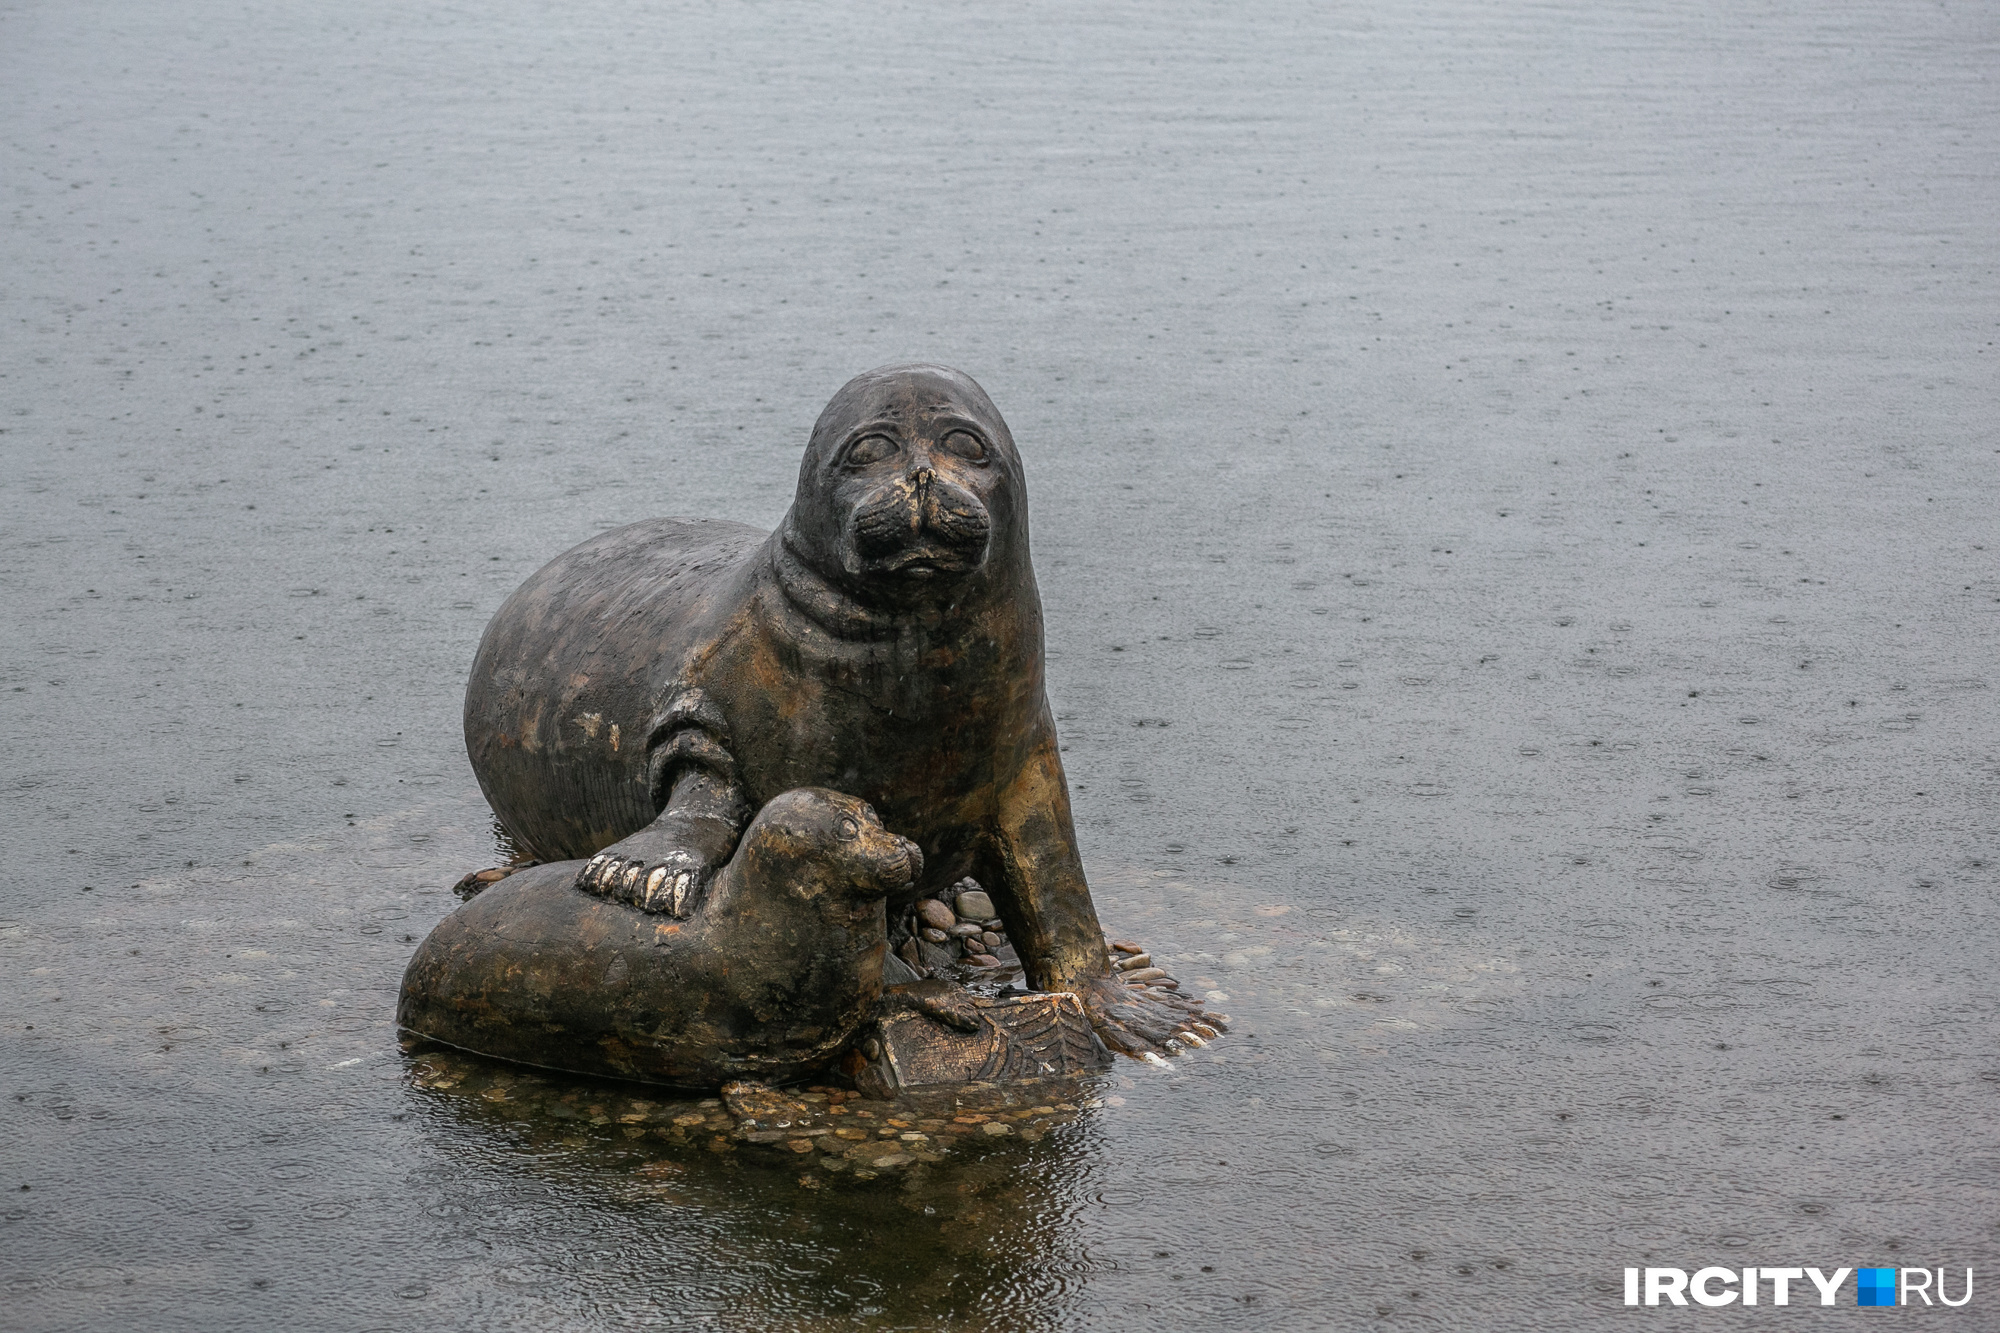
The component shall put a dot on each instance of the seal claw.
(651, 898)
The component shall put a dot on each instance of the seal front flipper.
(936, 999)
(666, 866)
(1145, 1021)
(1041, 893)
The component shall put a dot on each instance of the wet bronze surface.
(643, 693)
(766, 980)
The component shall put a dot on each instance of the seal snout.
(921, 524)
(889, 861)
(902, 863)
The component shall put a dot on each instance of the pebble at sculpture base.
(642, 694)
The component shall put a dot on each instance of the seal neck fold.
(834, 609)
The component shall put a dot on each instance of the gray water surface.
(1514, 493)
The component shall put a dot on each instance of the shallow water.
(1513, 492)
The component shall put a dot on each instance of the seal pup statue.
(767, 978)
(637, 697)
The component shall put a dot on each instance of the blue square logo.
(1875, 1286)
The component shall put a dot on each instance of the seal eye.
(870, 449)
(966, 445)
(849, 830)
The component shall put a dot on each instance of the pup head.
(827, 845)
(909, 488)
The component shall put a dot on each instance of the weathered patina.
(641, 695)
(767, 978)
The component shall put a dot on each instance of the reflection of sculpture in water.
(732, 1233)
(640, 697)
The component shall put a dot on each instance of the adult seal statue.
(641, 696)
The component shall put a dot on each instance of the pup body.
(766, 979)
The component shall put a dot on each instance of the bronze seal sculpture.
(637, 699)
(766, 980)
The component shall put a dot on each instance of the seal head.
(910, 489)
(826, 846)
